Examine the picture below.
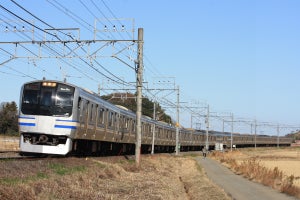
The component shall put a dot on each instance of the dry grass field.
(9, 143)
(275, 167)
(158, 177)
(286, 160)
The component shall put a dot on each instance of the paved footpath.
(236, 186)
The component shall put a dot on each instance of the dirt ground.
(158, 177)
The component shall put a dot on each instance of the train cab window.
(47, 98)
(64, 95)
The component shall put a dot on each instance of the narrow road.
(236, 186)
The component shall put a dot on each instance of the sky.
(237, 56)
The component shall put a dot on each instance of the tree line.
(128, 100)
(8, 118)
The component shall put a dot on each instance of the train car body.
(58, 118)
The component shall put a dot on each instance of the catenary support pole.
(177, 150)
(231, 134)
(153, 127)
(207, 128)
(139, 84)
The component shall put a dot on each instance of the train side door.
(83, 114)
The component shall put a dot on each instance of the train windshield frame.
(48, 99)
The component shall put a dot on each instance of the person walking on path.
(204, 152)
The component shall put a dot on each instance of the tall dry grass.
(160, 177)
(253, 170)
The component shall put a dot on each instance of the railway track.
(14, 155)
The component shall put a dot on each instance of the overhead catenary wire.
(95, 69)
(26, 21)
(70, 50)
(122, 82)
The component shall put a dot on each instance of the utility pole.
(139, 84)
(207, 128)
(177, 150)
(231, 138)
(255, 127)
(277, 135)
(153, 127)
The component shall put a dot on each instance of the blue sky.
(237, 56)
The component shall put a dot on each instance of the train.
(60, 118)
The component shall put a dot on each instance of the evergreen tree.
(8, 118)
(128, 100)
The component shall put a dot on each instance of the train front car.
(46, 121)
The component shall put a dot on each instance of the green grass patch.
(10, 181)
(60, 169)
(17, 180)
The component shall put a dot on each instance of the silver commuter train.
(58, 118)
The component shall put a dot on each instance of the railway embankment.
(159, 177)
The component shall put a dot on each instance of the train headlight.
(49, 84)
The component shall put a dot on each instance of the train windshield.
(47, 98)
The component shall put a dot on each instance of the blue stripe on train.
(63, 120)
(64, 126)
(26, 124)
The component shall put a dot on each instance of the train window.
(46, 97)
(64, 96)
(127, 123)
(110, 119)
(79, 103)
(144, 129)
(100, 116)
(91, 113)
(117, 120)
(149, 130)
(133, 126)
(85, 110)
(30, 97)
(122, 123)
(158, 133)
(47, 100)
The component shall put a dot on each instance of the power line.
(30, 13)
(26, 21)
(60, 40)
